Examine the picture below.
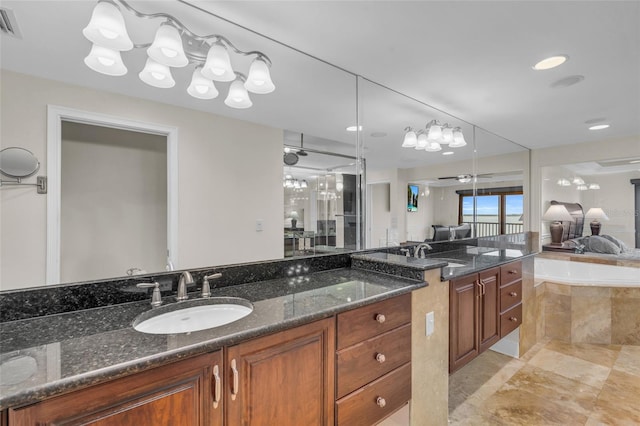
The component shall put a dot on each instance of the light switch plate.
(430, 319)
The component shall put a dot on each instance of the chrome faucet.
(156, 298)
(185, 281)
(421, 250)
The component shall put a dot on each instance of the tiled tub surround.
(67, 351)
(582, 304)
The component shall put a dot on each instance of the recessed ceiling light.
(353, 128)
(599, 127)
(550, 62)
(447, 153)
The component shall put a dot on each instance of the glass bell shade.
(410, 139)
(106, 28)
(458, 139)
(167, 47)
(201, 87)
(435, 131)
(157, 75)
(105, 61)
(238, 96)
(423, 142)
(218, 64)
(433, 147)
(259, 78)
(447, 135)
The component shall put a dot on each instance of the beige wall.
(380, 214)
(113, 210)
(223, 186)
(568, 154)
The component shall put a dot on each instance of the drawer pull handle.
(514, 319)
(217, 391)
(381, 318)
(380, 402)
(513, 271)
(513, 294)
(380, 358)
(236, 379)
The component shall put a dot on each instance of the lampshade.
(304, 184)
(582, 187)
(218, 64)
(201, 87)
(447, 135)
(577, 180)
(238, 96)
(167, 47)
(106, 28)
(557, 212)
(294, 214)
(594, 186)
(157, 75)
(564, 182)
(433, 147)
(423, 142)
(434, 131)
(410, 139)
(106, 61)
(259, 78)
(596, 213)
(458, 139)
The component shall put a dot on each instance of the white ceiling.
(471, 59)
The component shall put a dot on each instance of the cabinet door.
(174, 394)
(283, 379)
(463, 324)
(489, 307)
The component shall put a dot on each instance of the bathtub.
(581, 302)
(586, 274)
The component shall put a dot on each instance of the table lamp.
(556, 213)
(597, 214)
(294, 219)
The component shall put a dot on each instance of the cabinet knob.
(380, 402)
(381, 318)
(380, 358)
(513, 294)
(514, 319)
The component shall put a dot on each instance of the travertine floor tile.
(604, 355)
(629, 360)
(571, 367)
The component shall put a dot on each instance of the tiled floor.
(553, 384)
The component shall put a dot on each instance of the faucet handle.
(206, 289)
(156, 298)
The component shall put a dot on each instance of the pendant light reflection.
(106, 28)
(157, 75)
(201, 87)
(238, 96)
(423, 142)
(410, 138)
(433, 137)
(167, 47)
(105, 61)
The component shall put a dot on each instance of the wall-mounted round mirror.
(18, 163)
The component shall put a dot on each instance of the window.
(497, 210)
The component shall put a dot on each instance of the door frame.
(55, 116)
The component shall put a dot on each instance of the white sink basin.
(192, 315)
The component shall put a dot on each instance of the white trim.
(55, 116)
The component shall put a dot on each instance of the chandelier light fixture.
(175, 46)
(433, 136)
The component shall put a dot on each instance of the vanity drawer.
(510, 272)
(359, 364)
(377, 400)
(510, 320)
(369, 321)
(510, 295)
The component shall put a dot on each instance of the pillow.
(616, 241)
(597, 244)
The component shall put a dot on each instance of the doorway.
(112, 203)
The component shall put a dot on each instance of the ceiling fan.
(466, 178)
(291, 158)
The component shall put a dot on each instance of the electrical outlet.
(431, 323)
(259, 225)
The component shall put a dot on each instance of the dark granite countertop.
(461, 261)
(45, 356)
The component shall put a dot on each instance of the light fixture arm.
(193, 54)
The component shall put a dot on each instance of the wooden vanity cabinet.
(174, 394)
(483, 308)
(284, 379)
(373, 361)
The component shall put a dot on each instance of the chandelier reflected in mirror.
(433, 136)
(175, 46)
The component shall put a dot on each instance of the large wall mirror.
(228, 199)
